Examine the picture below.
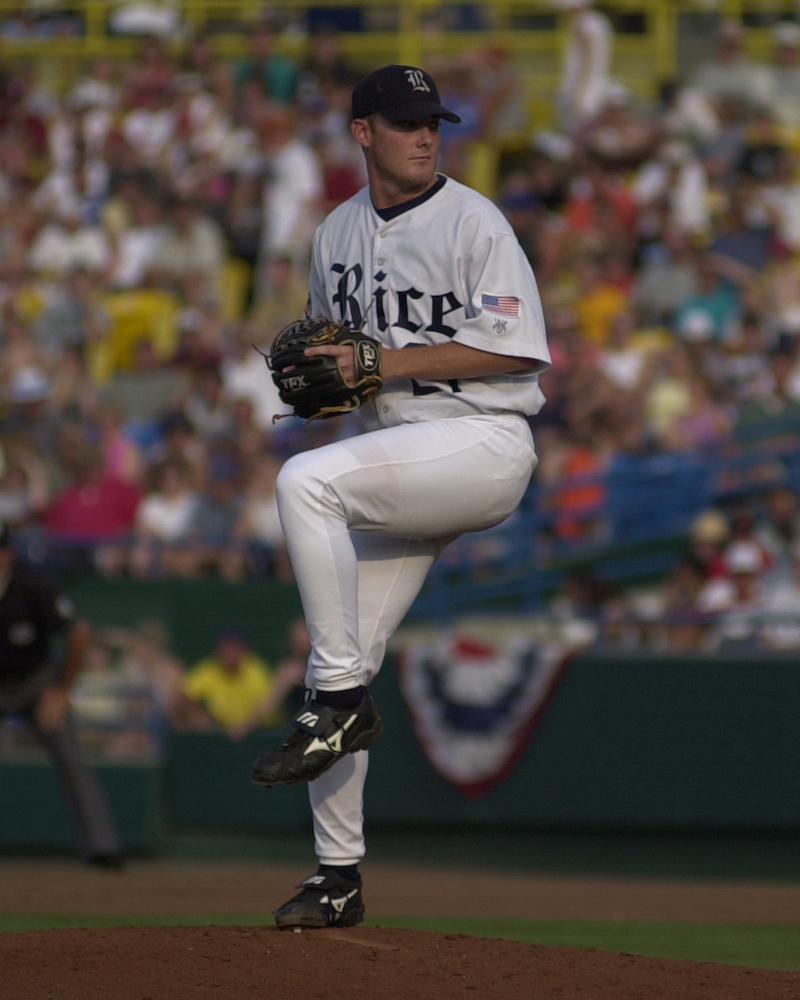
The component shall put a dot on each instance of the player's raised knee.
(292, 480)
(297, 479)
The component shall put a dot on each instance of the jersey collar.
(387, 214)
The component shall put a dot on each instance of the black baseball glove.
(314, 387)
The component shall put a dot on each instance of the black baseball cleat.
(321, 737)
(323, 901)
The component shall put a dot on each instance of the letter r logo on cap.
(417, 80)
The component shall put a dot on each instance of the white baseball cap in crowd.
(696, 325)
(29, 385)
(617, 94)
(744, 557)
(554, 145)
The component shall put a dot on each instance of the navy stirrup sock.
(341, 701)
(350, 872)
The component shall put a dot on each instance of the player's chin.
(422, 170)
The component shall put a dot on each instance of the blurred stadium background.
(605, 685)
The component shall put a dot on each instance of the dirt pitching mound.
(243, 963)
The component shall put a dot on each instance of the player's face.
(403, 153)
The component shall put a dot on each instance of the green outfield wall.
(626, 743)
(33, 810)
(195, 611)
(657, 743)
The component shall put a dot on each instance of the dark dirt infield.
(237, 963)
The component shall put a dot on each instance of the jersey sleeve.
(504, 312)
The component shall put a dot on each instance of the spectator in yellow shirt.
(598, 303)
(232, 688)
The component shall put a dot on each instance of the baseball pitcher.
(424, 307)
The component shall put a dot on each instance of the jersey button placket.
(377, 251)
(379, 258)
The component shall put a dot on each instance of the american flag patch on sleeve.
(505, 305)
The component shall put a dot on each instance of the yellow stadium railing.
(413, 37)
(532, 31)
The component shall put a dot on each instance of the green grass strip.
(765, 946)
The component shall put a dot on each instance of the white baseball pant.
(364, 519)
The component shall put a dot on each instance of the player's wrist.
(392, 364)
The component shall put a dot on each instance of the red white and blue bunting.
(475, 699)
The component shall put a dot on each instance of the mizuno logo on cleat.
(333, 744)
(314, 880)
(308, 719)
(339, 904)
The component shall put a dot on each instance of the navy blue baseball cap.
(400, 93)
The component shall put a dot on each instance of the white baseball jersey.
(443, 266)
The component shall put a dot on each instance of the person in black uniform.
(33, 686)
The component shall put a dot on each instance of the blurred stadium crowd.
(137, 429)
(666, 247)
(155, 223)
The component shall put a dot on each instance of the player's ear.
(362, 132)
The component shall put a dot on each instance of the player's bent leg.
(417, 481)
(325, 566)
(420, 481)
(391, 572)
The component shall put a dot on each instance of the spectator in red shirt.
(601, 205)
(88, 520)
(96, 508)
